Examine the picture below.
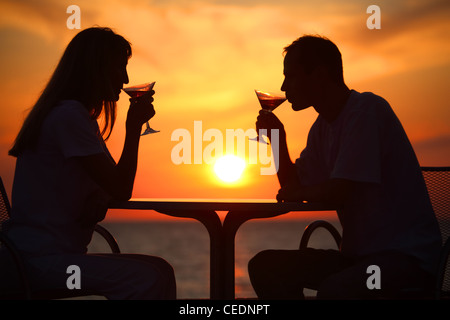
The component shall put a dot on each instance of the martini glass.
(269, 101)
(137, 91)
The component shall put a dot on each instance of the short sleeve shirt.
(389, 209)
(51, 192)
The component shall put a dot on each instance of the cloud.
(209, 37)
(201, 52)
(45, 19)
(413, 35)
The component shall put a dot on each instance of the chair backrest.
(5, 207)
(438, 185)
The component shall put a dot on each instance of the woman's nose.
(126, 80)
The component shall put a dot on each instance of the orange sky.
(207, 58)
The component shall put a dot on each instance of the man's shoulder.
(368, 103)
(369, 98)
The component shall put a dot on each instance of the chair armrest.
(108, 237)
(443, 260)
(319, 224)
(18, 261)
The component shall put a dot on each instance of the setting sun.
(229, 168)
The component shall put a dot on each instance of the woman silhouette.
(65, 175)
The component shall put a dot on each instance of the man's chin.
(297, 107)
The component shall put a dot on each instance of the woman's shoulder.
(69, 114)
(67, 110)
(71, 107)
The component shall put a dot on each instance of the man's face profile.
(297, 84)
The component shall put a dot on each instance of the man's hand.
(333, 191)
(289, 193)
(268, 120)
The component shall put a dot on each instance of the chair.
(8, 249)
(438, 186)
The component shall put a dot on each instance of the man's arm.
(287, 173)
(333, 191)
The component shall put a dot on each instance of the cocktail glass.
(137, 91)
(269, 101)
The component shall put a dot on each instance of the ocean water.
(185, 245)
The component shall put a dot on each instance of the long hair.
(82, 74)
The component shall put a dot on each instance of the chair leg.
(20, 265)
(445, 252)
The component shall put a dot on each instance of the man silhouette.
(359, 158)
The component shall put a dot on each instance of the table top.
(218, 205)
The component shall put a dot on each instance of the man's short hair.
(312, 51)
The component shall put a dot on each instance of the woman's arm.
(118, 179)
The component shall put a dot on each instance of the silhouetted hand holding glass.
(141, 110)
(141, 95)
(269, 102)
(268, 120)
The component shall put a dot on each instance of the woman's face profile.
(118, 76)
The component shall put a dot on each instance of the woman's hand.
(141, 110)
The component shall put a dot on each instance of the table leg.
(212, 223)
(231, 224)
(216, 258)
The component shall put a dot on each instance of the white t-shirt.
(51, 192)
(390, 208)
